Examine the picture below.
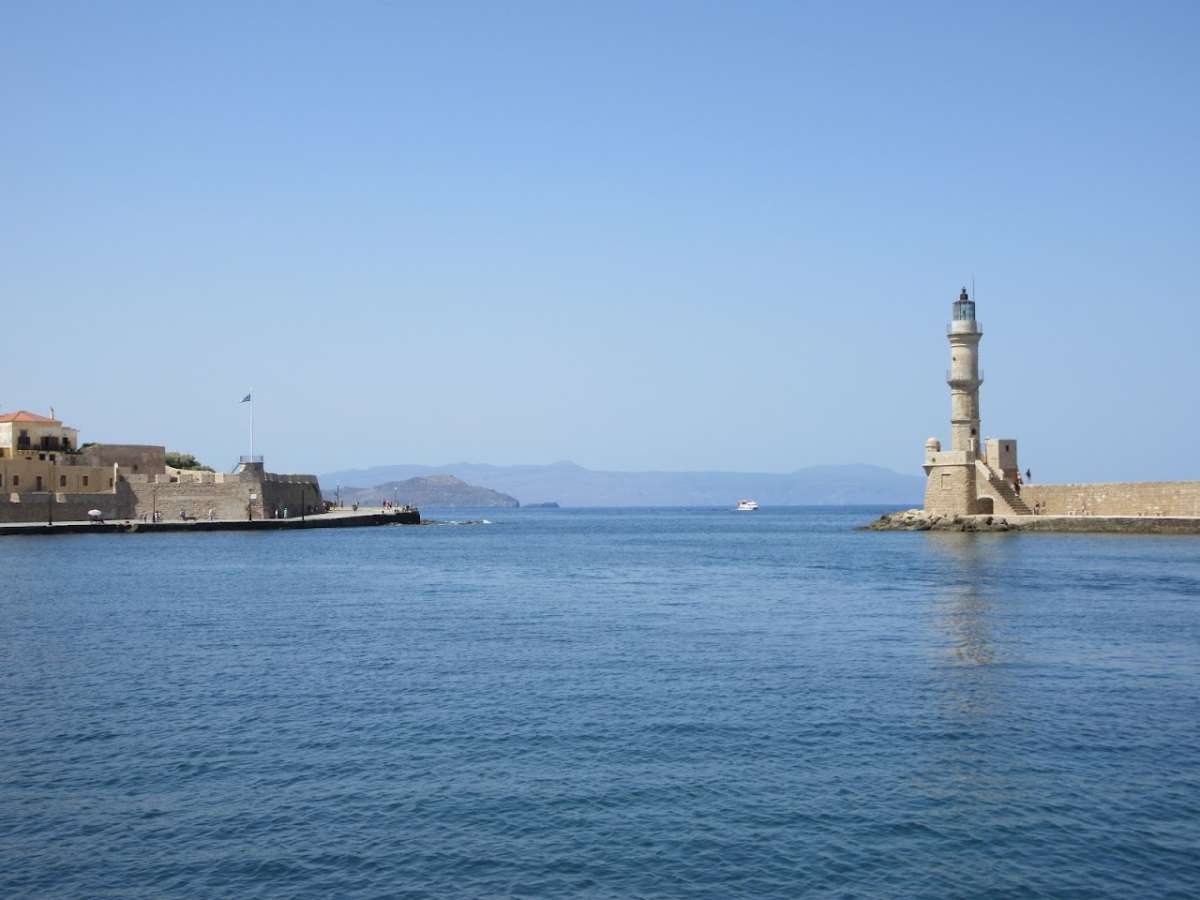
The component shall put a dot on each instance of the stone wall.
(227, 499)
(994, 498)
(72, 507)
(227, 495)
(291, 493)
(145, 459)
(950, 489)
(1145, 498)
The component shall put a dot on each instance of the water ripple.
(600, 704)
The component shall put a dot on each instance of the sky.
(697, 236)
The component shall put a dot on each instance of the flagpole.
(252, 425)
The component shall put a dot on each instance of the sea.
(632, 703)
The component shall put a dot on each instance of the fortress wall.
(292, 492)
(72, 508)
(1145, 498)
(227, 499)
(197, 476)
(141, 458)
(139, 495)
(228, 496)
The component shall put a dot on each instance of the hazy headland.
(573, 485)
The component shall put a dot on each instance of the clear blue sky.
(643, 235)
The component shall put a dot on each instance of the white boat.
(746, 506)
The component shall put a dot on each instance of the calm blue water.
(646, 703)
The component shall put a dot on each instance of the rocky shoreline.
(919, 520)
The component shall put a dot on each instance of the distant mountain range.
(429, 491)
(572, 485)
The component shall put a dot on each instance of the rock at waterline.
(919, 520)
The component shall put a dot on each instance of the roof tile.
(23, 416)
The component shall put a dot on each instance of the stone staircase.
(1004, 491)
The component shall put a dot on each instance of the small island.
(441, 491)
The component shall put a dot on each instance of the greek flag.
(246, 399)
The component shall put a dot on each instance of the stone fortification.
(45, 475)
(292, 493)
(249, 492)
(68, 507)
(1139, 498)
(950, 485)
(226, 498)
(139, 459)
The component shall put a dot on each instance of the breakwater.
(131, 526)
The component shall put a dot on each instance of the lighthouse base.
(950, 488)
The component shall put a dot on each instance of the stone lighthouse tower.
(964, 380)
(950, 488)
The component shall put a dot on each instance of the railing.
(243, 460)
(53, 445)
(978, 327)
(65, 453)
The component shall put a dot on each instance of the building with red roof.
(22, 431)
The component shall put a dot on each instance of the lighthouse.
(963, 376)
(950, 487)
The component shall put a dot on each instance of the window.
(85, 481)
(110, 482)
(62, 480)
(16, 481)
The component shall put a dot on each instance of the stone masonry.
(1144, 498)
(248, 493)
(983, 476)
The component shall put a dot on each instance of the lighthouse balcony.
(963, 380)
(965, 326)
